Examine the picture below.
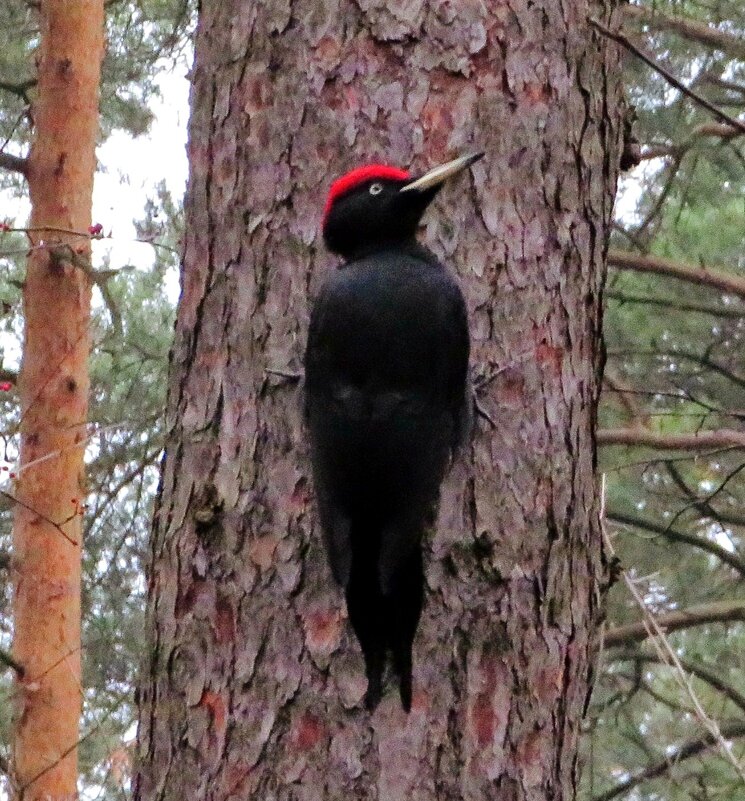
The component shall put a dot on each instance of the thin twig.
(668, 182)
(701, 504)
(699, 671)
(49, 668)
(84, 234)
(39, 229)
(710, 546)
(710, 496)
(640, 437)
(72, 446)
(43, 517)
(67, 751)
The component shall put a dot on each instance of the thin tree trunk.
(54, 402)
(254, 682)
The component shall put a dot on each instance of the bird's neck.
(408, 247)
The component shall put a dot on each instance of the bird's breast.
(355, 403)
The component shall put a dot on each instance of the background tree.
(53, 393)
(253, 684)
(672, 414)
(130, 330)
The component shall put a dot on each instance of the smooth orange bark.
(54, 401)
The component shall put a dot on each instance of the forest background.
(670, 425)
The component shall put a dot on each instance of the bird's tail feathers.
(385, 613)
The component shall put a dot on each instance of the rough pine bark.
(254, 681)
(53, 391)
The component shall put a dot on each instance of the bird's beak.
(438, 175)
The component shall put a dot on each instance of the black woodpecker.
(386, 402)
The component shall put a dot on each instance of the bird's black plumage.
(386, 404)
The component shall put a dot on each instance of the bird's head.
(377, 206)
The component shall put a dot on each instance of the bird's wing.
(337, 535)
(459, 389)
(316, 354)
(335, 524)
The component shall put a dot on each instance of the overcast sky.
(132, 168)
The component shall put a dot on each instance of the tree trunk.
(254, 682)
(54, 402)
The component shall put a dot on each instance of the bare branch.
(13, 163)
(717, 612)
(669, 77)
(703, 544)
(729, 86)
(7, 660)
(690, 29)
(19, 89)
(670, 303)
(716, 129)
(717, 279)
(686, 750)
(722, 438)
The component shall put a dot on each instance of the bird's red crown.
(353, 179)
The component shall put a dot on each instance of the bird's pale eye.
(376, 189)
